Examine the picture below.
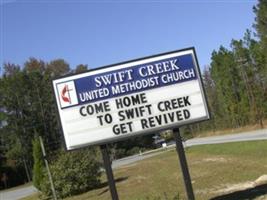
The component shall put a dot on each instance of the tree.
(260, 50)
(26, 96)
(212, 97)
(226, 78)
(81, 68)
(261, 22)
(58, 67)
(250, 65)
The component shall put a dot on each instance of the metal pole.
(107, 163)
(183, 164)
(48, 169)
(26, 169)
(24, 160)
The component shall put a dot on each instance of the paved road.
(18, 193)
(247, 136)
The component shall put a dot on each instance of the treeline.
(27, 111)
(236, 80)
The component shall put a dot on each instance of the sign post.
(111, 181)
(183, 164)
(48, 169)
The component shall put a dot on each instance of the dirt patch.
(235, 187)
(140, 178)
(243, 186)
(216, 159)
(127, 166)
(261, 198)
(211, 159)
(261, 180)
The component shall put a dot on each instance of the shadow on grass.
(244, 194)
(105, 184)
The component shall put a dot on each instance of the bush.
(134, 150)
(38, 166)
(73, 173)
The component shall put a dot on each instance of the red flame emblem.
(65, 94)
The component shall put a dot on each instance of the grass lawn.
(212, 167)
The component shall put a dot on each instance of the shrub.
(38, 166)
(73, 173)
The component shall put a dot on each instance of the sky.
(104, 32)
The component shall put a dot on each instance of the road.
(246, 136)
(17, 193)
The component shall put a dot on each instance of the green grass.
(212, 167)
(235, 149)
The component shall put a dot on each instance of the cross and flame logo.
(65, 94)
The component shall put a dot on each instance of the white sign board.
(127, 99)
